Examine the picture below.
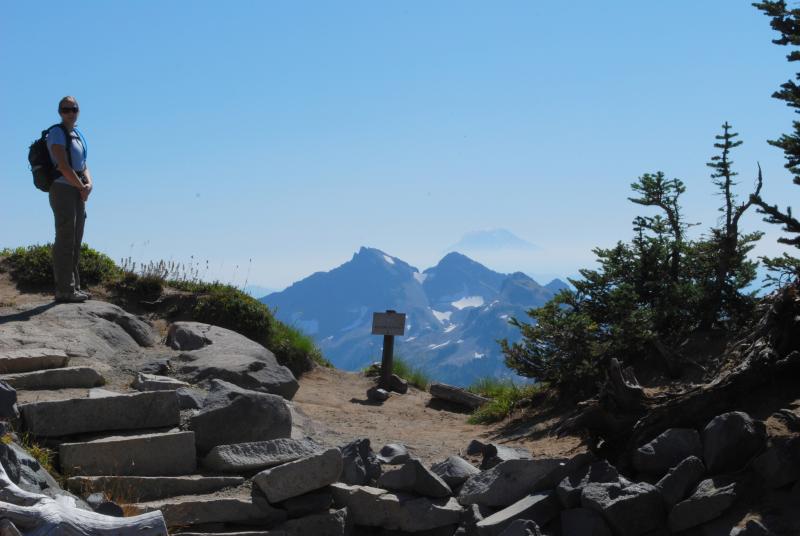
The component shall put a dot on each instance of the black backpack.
(42, 168)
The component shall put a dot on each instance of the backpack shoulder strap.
(85, 147)
(68, 145)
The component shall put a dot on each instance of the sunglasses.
(68, 109)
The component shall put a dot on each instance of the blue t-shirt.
(55, 136)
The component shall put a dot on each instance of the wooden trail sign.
(388, 324)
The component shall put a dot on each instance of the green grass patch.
(41, 454)
(413, 375)
(295, 348)
(505, 397)
(32, 266)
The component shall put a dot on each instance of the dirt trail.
(336, 403)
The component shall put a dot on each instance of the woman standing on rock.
(68, 196)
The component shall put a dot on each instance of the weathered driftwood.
(456, 395)
(39, 515)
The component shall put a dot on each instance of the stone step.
(56, 378)
(30, 359)
(128, 489)
(166, 454)
(189, 510)
(156, 409)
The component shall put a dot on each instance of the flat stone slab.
(172, 453)
(154, 382)
(130, 489)
(257, 455)
(137, 411)
(300, 476)
(30, 359)
(55, 378)
(510, 481)
(196, 510)
(539, 507)
(375, 507)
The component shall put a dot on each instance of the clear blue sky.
(291, 133)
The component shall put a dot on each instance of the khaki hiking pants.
(69, 211)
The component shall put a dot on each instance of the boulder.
(494, 454)
(456, 395)
(189, 398)
(157, 367)
(24, 470)
(630, 511)
(712, 497)
(414, 477)
(8, 402)
(397, 384)
(682, 478)
(30, 359)
(374, 507)
(393, 454)
(538, 507)
(454, 471)
(99, 329)
(157, 409)
(257, 455)
(730, 440)
(143, 455)
(310, 503)
(522, 527)
(231, 415)
(667, 450)
(360, 466)
(376, 394)
(779, 465)
(228, 356)
(583, 522)
(475, 448)
(154, 382)
(330, 523)
(570, 487)
(508, 482)
(300, 476)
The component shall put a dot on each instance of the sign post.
(388, 324)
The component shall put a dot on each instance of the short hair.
(68, 98)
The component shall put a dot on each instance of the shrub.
(229, 307)
(32, 266)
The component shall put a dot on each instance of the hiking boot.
(85, 293)
(75, 297)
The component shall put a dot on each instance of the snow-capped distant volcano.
(491, 240)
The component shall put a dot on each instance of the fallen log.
(456, 395)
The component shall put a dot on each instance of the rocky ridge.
(222, 456)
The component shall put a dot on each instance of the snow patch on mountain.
(420, 277)
(442, 316)
(468, 301)
(450, 328)
(388, 259)
(437, 346)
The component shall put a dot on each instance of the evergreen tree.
(787, 22)
(724, 298)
